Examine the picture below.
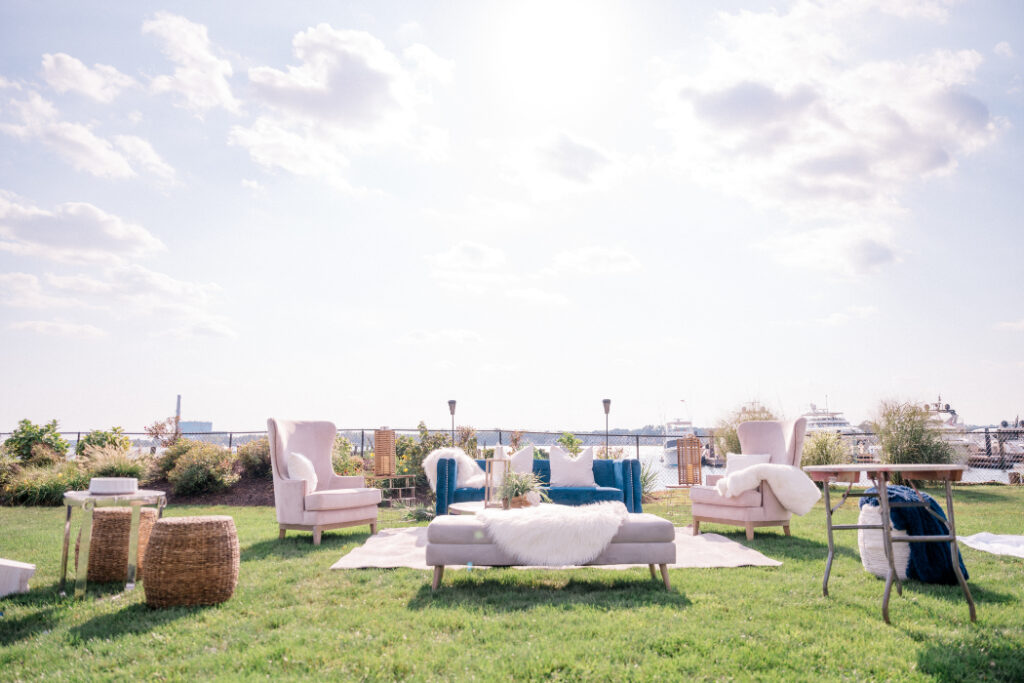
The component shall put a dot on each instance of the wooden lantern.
(688, 457)
(494, 470)
(384, 452)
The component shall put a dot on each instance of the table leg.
(82, 566)
(831, 541)
(64, 553)
(133, 545)
(955, 553)
(881, 486)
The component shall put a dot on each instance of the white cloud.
(1004, 49)
(469, 265)
(143, 154)
(73, 232)
(73, 142)
(4, 83)
(786, 114)
(535, 296)
(554, 164)
(596, 260)
(346, 93)
(23, 290)
(429, 65)
(847, 250)
(102, 83)
(1014, 325)
(846, 316)
(201, 77)
(59, 329)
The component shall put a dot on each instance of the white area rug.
(998, 544)
(406, 547)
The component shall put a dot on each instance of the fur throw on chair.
(791, 486)
(469, 473)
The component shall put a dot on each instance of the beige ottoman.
(461, 540)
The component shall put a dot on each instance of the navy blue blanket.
(929, 562)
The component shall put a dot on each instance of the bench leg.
(651, 567)
(438, 574)
(785, 529)
(750, 532)
(696, 527)
(280, 534)
(373, 528)
(664, 575)
(317, 533)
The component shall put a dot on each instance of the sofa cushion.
(581, 495)
(710, 496)
(467, 495)
(569, 471)
(342, 498)
(645, 528)
(468, 530)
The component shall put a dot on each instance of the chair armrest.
(290, 500)
(339, 482)
(712, 479)
(634, 491)
(447, 476)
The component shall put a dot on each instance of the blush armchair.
(784, 442)
(336, 501)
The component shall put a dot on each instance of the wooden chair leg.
(317, 533)
(664, 576)
(750, 532)
(785, 529)
(280, 534)
(651, 567)
(696, 527)
(438, 574)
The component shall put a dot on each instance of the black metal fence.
(990, 454)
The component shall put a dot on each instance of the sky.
(358, 211)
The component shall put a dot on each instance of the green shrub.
(115, 437)
(570, 443)
(44, 456)
(9, 467)
(907, 436)
(825, 448)
(410, 453)
(342, 459)
(26, 435)
(255, 458)
(203, 468)
(169, 458)
(112, 461)
(45, 485)
(726, 439)
(649, 482)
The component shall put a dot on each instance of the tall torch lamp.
(451, 409)
(607, 407)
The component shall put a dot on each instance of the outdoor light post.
(607, 406)
(451, 409)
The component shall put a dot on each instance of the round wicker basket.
(191, 561)
(872, 548)
(108, 549)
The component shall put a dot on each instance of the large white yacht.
(825, 420)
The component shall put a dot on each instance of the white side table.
(89, 501)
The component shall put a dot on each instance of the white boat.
(825, 420)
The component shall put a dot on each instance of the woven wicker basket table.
(191, 561)
(89, 502)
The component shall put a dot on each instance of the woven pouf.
(872, 547)
(191, 561)
(108, 548)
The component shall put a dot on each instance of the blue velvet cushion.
(467, 495)
(581, 495)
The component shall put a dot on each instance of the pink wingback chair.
(784, 442)
(337, 501)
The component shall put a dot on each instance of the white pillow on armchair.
(734, 462)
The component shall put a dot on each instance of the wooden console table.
(880, 475)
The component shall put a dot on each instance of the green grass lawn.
(291, 616)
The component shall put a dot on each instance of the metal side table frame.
(88, 502)
(880, 474)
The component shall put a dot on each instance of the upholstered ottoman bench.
(463, 540)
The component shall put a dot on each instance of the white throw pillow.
(522, 460)
(568, 471)
(734, 462)
(299, 467)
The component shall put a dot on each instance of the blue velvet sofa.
(616, 480)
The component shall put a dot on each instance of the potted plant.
(521, 489)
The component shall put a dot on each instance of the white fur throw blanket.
(554, 535)
(466, 468)
(791, 485)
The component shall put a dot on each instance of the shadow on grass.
(974, 657)
(27, 626)
(301, 544)
(512, 593)
(134, 619)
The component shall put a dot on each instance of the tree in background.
(570, 443)
(465, 438)
(115, 438)
(410, 453)
(164, 432)
(726, 439)
(30, 442)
